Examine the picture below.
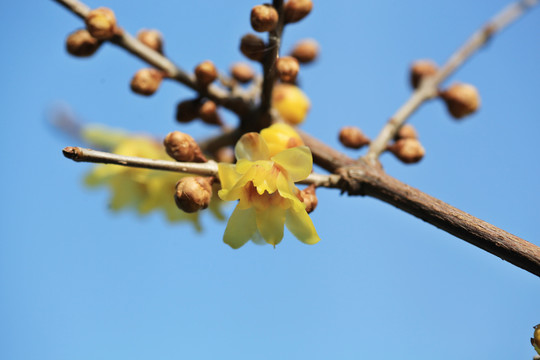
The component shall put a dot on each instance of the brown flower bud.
(81, 43)
(461, 100)
(183, 147)
(242, 72)
(146, 81)
(296, 10)
(101, 23)
(407, 131)
(152, 39)
(193, 193)
(264, 18)
(252, 47)
(287, 68)
(309, 198)
(352, 137)
(208, 113)
(420, 70)
(187, 110)
(306, 51)
(206, 73)
(408, 150)
(225, 155)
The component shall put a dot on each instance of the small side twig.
(428, 88)
(209, 168)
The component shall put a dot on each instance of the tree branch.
(209, 168)
(428, 88)
(237, 104)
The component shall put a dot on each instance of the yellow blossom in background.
(141, 189)
(264, 185)
(291, 103)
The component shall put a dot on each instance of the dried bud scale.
(206, 73)
(407, 131)
(309, 198)
(208, 113)
(101, 23)
(296, 10)
(146, 81)
(193, 193)
(187, 110)
(80, 43)
(252, 47)
(420, 70)
(152, 39)
(305, 51)
(242, 72)
(352, 137)
(461, 100)
(408, 150)
(287, 68)
(264, 18)
(182, 147)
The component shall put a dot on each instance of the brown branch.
(209, 168)
(428, 88)
(237, 104)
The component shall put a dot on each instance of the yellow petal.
(270, 224)
(227, 175)
(251, 146)
(300, 225)
(280, 137)
(286, 190)
(297, 161)
(240, 228)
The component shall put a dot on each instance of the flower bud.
(193, 193)
(152, 39)
(407, 131)
(208, 113)
(252, 47)
(206, 73)
(225, 155)
(81, 43)
(101, 23)
(296, 10)
(287, 68)
(187, 110)
(291, 103)
(146, 81)
(421, 69)
(535, 340)
(461, 100)
(305, 51)
(352, 137)
(183, 147)
(264, 18)
(309, 198)
(242, 72)
(408, 150)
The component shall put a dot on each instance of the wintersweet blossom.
(263, 182)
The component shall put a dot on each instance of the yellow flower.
(142, 189)
(264, 185)
(291, 103)
(279, 137)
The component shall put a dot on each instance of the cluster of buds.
(461, 99)
(353, 138)
(204, 109)
(407, 148)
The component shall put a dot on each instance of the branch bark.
(428, 88)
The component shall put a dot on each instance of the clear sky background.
(79, 282)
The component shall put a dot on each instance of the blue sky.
(79, 282)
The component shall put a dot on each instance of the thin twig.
(237, 104)
(428, 88)
(209, 168)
